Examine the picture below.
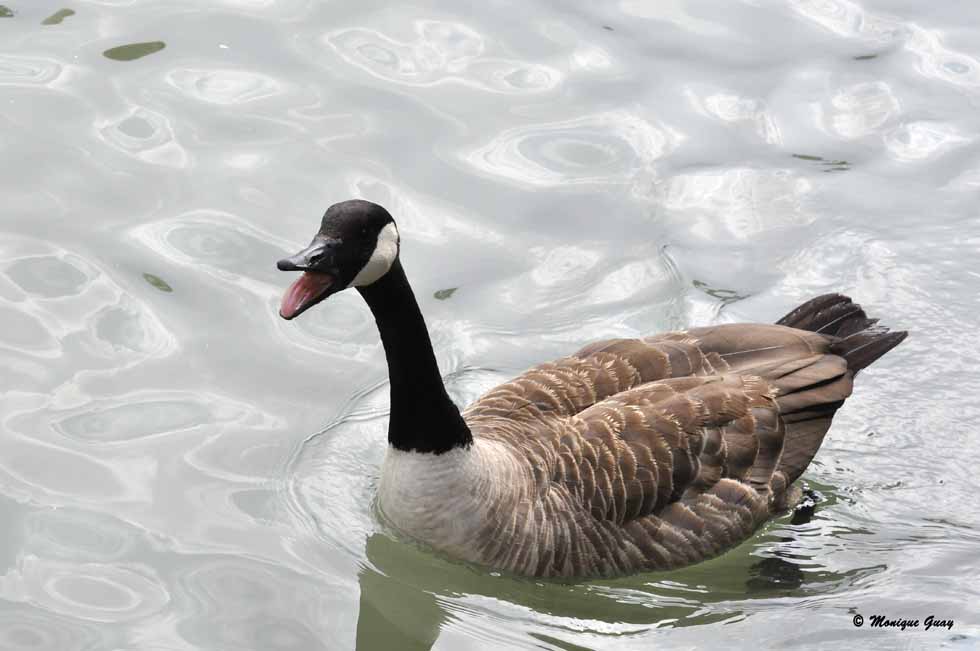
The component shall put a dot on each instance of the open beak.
(310, 288)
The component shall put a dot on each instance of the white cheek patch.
(385, 252)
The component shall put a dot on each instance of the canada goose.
(629, 455)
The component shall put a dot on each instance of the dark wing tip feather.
(829, 314)
(861, 340)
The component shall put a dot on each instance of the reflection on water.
(180, 468)
(440, 52)
(147, 136)
(223, 86)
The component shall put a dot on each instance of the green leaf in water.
(158, 282)
(443, 294)
(5, 12)
(134, 50)
(830, 165)
(58, 16)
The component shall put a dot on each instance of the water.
(180, 469)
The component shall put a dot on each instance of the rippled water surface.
(180, 469)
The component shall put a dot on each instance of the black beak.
(310, 258)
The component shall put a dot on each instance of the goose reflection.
(396, 611)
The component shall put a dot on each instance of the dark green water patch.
(158, 282)
(134, 50)
(58, 16)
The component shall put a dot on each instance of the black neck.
(423, 418)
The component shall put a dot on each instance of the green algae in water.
(726, 296)
(443, 294)
(134, 50)
(58, 16)
(5, 12)
(828, 165)
(158, 282)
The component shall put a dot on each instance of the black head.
(357, 244)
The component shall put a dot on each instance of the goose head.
(357, 244)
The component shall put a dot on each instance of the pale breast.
(452, 500)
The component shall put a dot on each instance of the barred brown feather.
(655, 453)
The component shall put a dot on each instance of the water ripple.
(48, 276)
(75, 535)
(606, 148)
(442, 52)
(221, 245)
(134, 416)
(34, 629)
(241, 445)
(54, 292)
(32, 468)
(28, 71)
(734, 108)
(246, 605)
(145, 135)
(919, 140)
(591, 58)
(935, 60)
(332, 477)
(862, 109)
(91, 591)
(676, 13)
(739, 203)
(127, 330)
(223, 86)
(939, 62)
(848, 19)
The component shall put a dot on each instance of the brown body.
(638, 454)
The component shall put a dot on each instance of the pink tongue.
(303, 292)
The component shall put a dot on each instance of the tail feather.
(862, 348)
(808, 410)
(861, 340)
(830, 314)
